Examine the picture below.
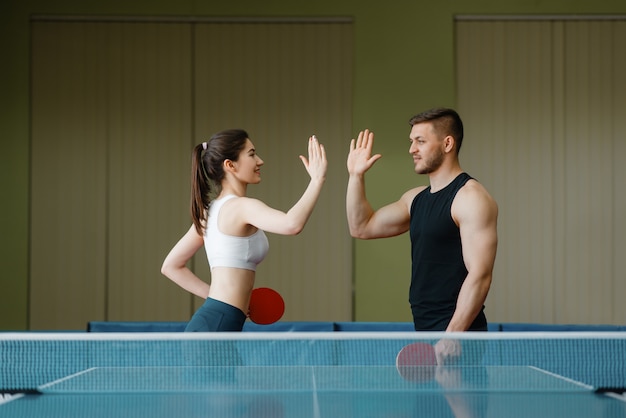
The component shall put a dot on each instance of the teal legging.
(216, 316)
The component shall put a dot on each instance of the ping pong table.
(310, 390)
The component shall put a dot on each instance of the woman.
(231, 226)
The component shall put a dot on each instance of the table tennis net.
(170, 362)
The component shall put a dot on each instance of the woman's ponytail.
(200, 188)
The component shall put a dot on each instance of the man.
(452, 224)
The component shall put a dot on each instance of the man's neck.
(442, 177)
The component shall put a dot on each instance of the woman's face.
(248, 165)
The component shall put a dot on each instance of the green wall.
(404, 63)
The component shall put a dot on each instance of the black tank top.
(438, 270)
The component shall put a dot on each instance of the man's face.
(426, 148)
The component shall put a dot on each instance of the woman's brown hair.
(207, 170)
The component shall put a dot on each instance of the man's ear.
(449, 142)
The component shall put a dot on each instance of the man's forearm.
(358, 209)
(469, 303)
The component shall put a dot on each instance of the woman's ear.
(229, 166)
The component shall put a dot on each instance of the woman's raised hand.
(316, 164)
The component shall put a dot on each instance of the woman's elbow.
(167, 269)
(292, 226)
(294, 229)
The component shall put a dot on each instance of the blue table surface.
(311, 391)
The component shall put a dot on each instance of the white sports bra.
(230, 251)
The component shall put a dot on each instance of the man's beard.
(432, 164)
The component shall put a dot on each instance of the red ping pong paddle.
(417, 362)
(266, 306)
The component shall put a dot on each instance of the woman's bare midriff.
(232, 286)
